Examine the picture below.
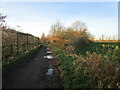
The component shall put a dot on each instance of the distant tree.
(75, 36)
(57, 29)
(69, 34)
(78, 25)
(43, 38)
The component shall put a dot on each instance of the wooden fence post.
(17, 43)
(11, 49)
(38, 41)
(27, 42)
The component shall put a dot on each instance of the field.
(111, 50)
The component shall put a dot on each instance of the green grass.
(71, 77)
(10, 64)
(111, 50)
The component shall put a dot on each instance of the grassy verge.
(71, 77)
(8, 65)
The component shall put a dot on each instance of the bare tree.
(78, 25)
(56, 28)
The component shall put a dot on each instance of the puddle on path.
(50, 71)
(49, 52)
(48, 48)
(48, 57)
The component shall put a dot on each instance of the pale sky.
(37, 17)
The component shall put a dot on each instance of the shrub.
(80, 44)
(101, 71)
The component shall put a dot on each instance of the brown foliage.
(102, 71)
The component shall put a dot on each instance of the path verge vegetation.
(83, 62)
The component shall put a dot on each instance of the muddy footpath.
(39, 71)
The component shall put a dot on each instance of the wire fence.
(15, 43)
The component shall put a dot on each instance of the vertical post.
(17, 43)
(38, 41)
(11, 49)
(27, 42)
(32, 43)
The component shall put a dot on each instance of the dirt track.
(32, 73)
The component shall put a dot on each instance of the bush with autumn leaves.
(101, 71)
